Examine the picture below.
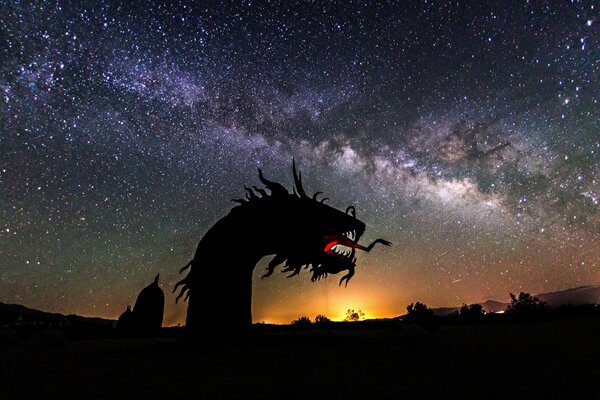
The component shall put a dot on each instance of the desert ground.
(528, 360)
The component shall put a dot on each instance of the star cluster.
(466, 133)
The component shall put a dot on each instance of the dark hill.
(581, 295)
(15, 314)
(575, 296)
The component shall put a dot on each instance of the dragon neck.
(241, 238)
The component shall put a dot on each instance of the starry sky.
(466, 133)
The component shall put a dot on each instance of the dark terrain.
(555, 358)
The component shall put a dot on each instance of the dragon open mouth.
(340, 250)
(345, 244)
(342, 246)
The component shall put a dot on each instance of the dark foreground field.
(545, 359)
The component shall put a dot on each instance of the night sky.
(466, 133)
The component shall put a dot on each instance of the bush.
(322, 320)
(473, 312)
(354, 316)
(525, 304)
(303, 321)
(419, 313)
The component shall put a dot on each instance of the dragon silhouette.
(300, 230)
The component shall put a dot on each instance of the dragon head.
(308, 232)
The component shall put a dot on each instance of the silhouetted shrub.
(303, 321)
(353, 316)
(419, 313)
(525, 304)
(322, 320)
(471, 313)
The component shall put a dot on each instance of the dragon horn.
(298, 181)
(274, 187)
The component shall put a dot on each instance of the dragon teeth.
(350, 234)
(340, 251)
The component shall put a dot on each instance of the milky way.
(466, 133)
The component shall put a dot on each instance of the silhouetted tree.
(473, 312)
(303, 321)
(525, 304)
(419, 313)
(419, 310)
(353, 316)
(322, 319)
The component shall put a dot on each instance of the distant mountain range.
(576, 296)
(15, 314)
(579, 295)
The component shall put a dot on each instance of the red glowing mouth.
(332, 249)
(344, 241)
(342, 246)
(348, 242)
(329, 246)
